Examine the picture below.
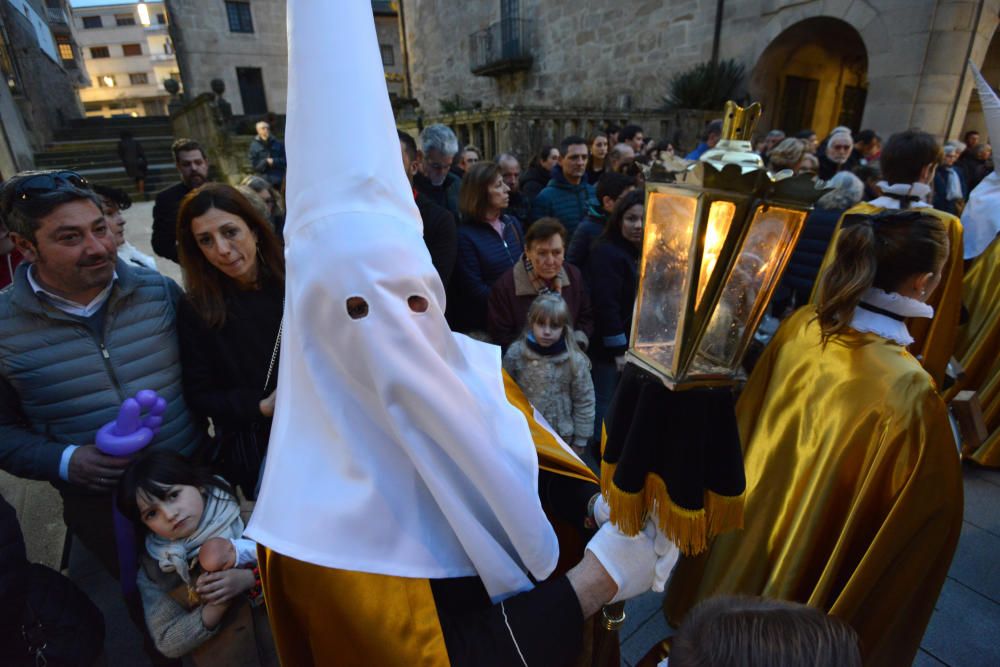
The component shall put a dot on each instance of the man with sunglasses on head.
(80, 331)
(192, 165)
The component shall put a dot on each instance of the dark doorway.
(852, 106)
(252, 90)
(797, 103)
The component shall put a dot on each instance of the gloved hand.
(667, 555)
(630, 561)
(602, 511)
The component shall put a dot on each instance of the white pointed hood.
(394, 449)
(981, 216)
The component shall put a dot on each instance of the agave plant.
(706, 86)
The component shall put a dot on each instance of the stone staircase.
(90, 146)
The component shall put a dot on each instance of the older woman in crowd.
(836, 155)
(229, 323)
(803, 266)
(787, 154)
(541, 270)
(272, 199)
(949, 183)
(489, 243)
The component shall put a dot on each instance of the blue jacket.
(941, 201)
(59, 382)
(613, 276)
(482, 258)
(807, 257)
(274, 149)
(584, 236)
(697, 152)
(563, 200)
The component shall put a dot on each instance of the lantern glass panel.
(669, 220)
(765, 249)
(720, 219)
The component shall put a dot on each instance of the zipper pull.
(104, 352)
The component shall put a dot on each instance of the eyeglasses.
(42, 185)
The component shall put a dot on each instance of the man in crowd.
(267, 155)
(108, 329)
(610, 186)
(192, 165)
(517, 204)
(633, 136)
(620, 157)
(712, 135)
(467, 157)
(568, 195)
(435, 180)
(867, 148)
(440, 232)
(836, 156)
(773, 138)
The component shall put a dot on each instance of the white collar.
(882, 325)
(921, 190)
(72, 307)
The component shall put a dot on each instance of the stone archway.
(990, 68)
(814, 75)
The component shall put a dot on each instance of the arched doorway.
(974, 119)
(813, 75)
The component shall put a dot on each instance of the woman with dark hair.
(854, 485)
(229, 323)
(613, 276)
(489, 243)
(598, 145)
(539, 171)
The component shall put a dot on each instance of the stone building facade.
(243, 43)
(880, 64)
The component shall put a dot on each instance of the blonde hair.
(787, 154)
(880, 251)
(552, 308)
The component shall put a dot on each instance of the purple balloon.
(128, 434)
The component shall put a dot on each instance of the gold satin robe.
(854, 490)
(934, 339)
(326, 616)
(978, 348)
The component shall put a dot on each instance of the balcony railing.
(502, 48)
(56, 15)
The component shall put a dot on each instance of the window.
(138, 79)
(92, 22)
(106, 81)
(65, 49)
(131, 49)
(239, 16)
(99, 52)
(388, 59)
(161, 19)
(124, 19)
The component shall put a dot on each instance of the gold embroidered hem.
(854, 490)
(689, 529)
(934, 339)
(978, 348)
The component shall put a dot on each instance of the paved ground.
(964, 631)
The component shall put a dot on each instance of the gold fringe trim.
(690, 530)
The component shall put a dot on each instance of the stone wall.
(620, 54)
(206, 49)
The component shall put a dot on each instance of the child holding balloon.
(182, 508)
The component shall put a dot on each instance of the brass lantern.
(714, 247)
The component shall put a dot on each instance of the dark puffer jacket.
(59, 382)
(613, 276)
(565, 201)
(483, 256)
(803, 266)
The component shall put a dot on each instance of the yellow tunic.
(934, 339)
(326, 616)
(978, 347)
(854, 490)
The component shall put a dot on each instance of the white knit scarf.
(221, 518)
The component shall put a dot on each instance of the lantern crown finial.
(738, 123)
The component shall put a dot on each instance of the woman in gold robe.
(854, 486)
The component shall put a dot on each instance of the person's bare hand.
(270, 162)
(267, 405)
(219, 587)
(620, 363)
(94, 470)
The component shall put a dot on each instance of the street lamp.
(715, 244)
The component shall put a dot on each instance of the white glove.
(667, 555)
(602, 511)
(629, 561)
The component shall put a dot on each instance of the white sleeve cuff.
(64, 462)
(246, 551)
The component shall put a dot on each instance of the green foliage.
(706, 86)
(452, 104)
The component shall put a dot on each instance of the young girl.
(180, 507)
(554, 375)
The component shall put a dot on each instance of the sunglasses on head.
(40, 185)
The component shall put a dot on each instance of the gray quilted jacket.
(59, 382)
(562, 391)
